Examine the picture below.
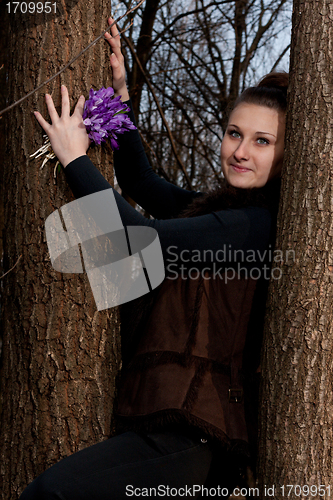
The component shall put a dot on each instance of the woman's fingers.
(65, 109)
(43, 123)
(50, 106)
(114, 30)
(114, 38)
(117, 72)
(117, 61)
(65, 106)
(79, 108)
(117, 64)
(68, 135)
(107, 35)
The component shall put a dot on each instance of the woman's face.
(253, 145)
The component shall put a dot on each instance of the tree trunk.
(297, 409)
(60, 355)
(3, 46)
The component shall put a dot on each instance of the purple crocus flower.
(104, 116)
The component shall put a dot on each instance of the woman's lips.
(238, 168)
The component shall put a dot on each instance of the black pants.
(168, 464)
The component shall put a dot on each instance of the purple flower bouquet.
(105, 116)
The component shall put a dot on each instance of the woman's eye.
(264, 141)
(234, 133)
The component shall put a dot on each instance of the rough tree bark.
(2, 149)
(297, 410)
(60, 355)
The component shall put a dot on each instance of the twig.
(173, 146)
(73, 60)
(11, 268)
(280, 57)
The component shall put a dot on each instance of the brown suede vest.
(189, 359)
(186, 366)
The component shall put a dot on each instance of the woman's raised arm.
(158, 197)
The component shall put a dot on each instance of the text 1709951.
(31, 7)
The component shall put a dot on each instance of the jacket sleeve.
(218, 234)
(158, 197)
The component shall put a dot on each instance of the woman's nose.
(242, 151)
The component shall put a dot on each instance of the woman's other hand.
(68, 135)
(117, 62)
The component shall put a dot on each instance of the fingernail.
(63, 87)
(47, 96)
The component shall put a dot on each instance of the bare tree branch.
(277, 62)
(72, 61)
(186, 14)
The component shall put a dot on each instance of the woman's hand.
(68, 135)
(117, 63)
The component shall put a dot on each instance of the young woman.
(186, 406)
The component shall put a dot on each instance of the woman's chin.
(240, 183)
